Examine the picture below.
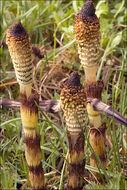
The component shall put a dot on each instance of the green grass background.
(50, 24)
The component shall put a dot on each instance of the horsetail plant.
(88, 39)
(20, 49)
(73, 104)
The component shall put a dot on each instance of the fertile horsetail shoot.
(80, 151)
(88, 39)
(20, 49)
(73, 104)
(19, 46)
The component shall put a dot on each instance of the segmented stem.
(73, 104)
(29, 116)
(19, 45)
(88, 39)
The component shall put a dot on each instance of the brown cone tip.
(74, 80)
(87, 10)
(17, 29)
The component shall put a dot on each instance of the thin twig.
(54, 106)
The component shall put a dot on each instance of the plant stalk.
(20, 49)
(73, 104)
(88, 39)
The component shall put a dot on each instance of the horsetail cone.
(73, 103)
(88, 39)
(19, 45)
(87, 34)
(21, 53)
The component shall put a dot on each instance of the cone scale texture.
(73, 103)
(19, 46)
(87, 34)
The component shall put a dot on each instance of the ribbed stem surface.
(21, 53)
(88, 39)
(73, 103)
(29, 116)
